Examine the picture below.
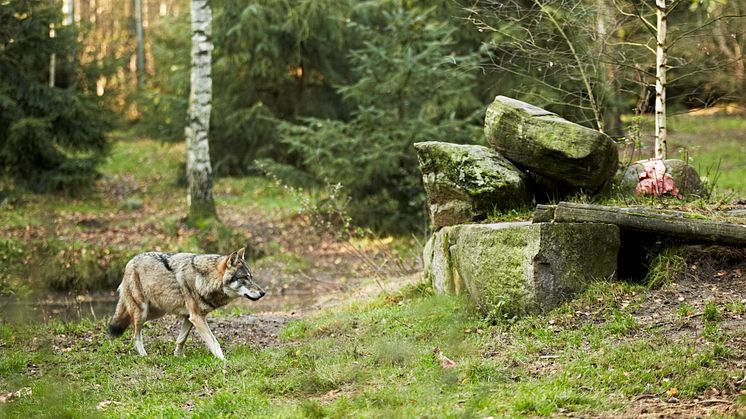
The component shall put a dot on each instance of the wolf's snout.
(254, 295)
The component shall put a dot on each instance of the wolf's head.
(237, 278)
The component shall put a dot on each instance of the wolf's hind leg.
(206, 334)
(186, 327)
(138, 322)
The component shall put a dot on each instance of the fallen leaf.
(22, 392)
(106, 403)
(332, 393)
(445, 362)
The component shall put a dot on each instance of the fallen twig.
(715, 401)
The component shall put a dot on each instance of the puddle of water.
(74, 308)
(60, 307)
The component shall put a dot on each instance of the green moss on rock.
(515, 268)
(468, 182)
(542, 142)
(491, 266)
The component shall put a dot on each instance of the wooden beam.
(684, 226)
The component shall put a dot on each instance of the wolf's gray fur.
(185, 284)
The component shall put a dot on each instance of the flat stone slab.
(465, 183)
(544, 143)
(515, 268)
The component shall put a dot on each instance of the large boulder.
(468, 182)
(542, 142)
(679, 179)
(515, 268)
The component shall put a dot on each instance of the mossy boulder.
(510, 269)
(468, 182)
(540, 141)
(684, 176)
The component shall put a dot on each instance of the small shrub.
(711, 312)
(58, 265)
(215, 237)
(684, 310)
(312, 409)
(665, 267)
(712, 332)
(735, 308)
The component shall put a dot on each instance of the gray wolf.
(185, 284)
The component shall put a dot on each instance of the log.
(544, 213)
(684, 226)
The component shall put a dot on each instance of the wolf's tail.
(121, 319)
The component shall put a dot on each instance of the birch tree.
(199, 171)
(594, 56)
(661, 61)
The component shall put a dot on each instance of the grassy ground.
(377, 358)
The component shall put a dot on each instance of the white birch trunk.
(199, 171)
(52, 67)
(68, 11)
(660, 79)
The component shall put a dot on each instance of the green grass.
(666, 266)
(371, 359)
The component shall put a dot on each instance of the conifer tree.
(51, 138)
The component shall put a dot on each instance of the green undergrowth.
(374, 358)
(666, 266)
(81, 242)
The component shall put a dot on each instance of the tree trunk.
(85, 11)
(612, 112)
(660, 79)
(199, 172)
(140, 63)
(734, 53)
(68, 12)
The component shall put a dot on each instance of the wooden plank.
(544, 213)
(681, 225)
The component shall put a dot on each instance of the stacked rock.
(533, 153)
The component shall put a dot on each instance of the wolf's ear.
(236, 256)
(233, 258)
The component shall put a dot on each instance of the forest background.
(334, 92)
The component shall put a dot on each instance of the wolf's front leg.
(204, 331)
